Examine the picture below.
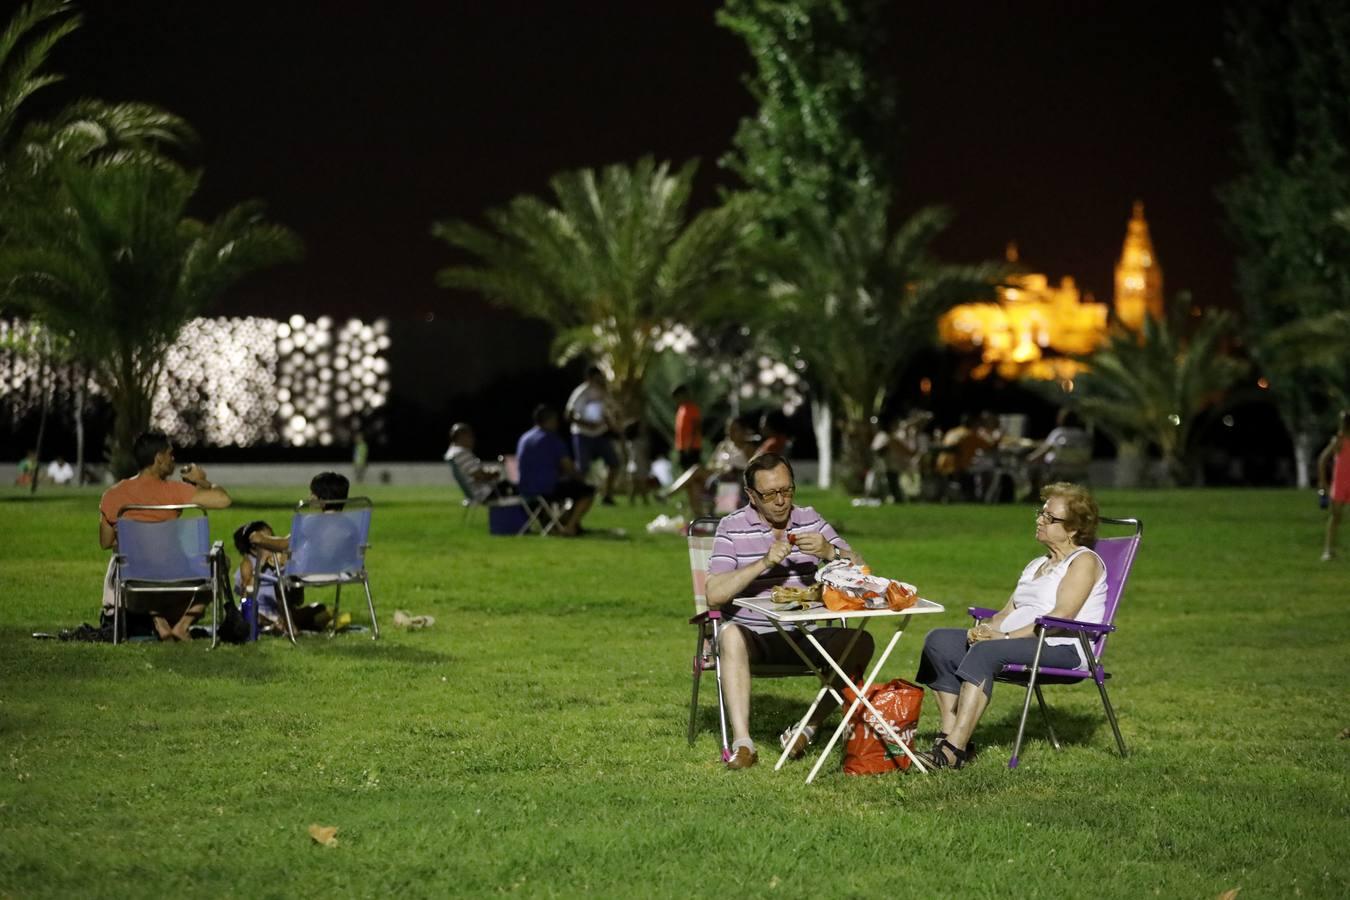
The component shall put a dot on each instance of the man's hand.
(194, 474)
(814, 542)
(777, 553)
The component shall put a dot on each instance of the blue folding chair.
(174, 556)
(329, 539)
(1118, 554)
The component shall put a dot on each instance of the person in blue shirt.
(547, 471)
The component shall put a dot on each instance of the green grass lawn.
(533, 740)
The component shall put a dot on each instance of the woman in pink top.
(1336, 457)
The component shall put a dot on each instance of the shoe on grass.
(342, 621)
(742, 758)
(803, 740)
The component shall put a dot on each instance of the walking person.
(1333, 470)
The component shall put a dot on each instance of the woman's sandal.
(938, 758)
(938, 739)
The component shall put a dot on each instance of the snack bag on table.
(845, 586)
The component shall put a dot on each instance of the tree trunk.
(81, 385)
(857, 456)
(1130, 462)
(44, 380)
(132, 405)
(822, 420)
(1304, 444)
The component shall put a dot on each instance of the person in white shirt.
(588, 413)
(480, 481)
(60, 472)
(1068, 582)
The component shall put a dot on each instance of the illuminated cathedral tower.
(1138, 275)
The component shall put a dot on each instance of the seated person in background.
(773, 432)
(961, 444)
(1069, 581)
(752, 555)
(254, 560)
(60, 472)
(484, 481)
(154, 457)
(547, 471)
(1066, 451)
(702, 482)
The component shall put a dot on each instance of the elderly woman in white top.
(1068, 582)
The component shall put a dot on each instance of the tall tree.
(611, 263)
(111, 257)
(860, 298)
(825, 128)
(1156, 387)
(816, 162)
(1287, 68)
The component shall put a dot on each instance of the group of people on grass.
(773, 542)
(261, 551)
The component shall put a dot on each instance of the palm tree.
(858, 298)
(80, 129)
(1155, 386)
(611, 263)
(110, 257)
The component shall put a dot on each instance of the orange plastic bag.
(869, 751)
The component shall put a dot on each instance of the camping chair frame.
(1118, 554)
(470, 504)
(543, 513)
(707, 654)
(130, 579)
(336, 580)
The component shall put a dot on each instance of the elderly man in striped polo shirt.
(751, 556)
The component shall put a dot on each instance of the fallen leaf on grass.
(1345, 734)
(324, 834)
(1229, 894)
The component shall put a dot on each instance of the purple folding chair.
(174, 557)
(1118, 554)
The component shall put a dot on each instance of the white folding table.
(780, 617)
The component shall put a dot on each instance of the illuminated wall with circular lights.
(234, 381)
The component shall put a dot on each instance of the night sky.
(361, 123)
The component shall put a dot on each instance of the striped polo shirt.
(743, 538)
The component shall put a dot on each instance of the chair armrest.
(706, 616)
(1075, 625)
(981, 612)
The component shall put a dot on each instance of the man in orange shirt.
(154, 456)
(688, 428)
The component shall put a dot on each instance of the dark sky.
(361, 123)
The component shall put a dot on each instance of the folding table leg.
(860, 698)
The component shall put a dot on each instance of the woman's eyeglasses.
(1043, 515)
(772, 496)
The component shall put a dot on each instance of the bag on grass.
(869, 751)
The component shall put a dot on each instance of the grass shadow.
(363, 649)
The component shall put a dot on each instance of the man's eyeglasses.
(1044, 516)
(780, 494)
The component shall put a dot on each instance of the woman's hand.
(983, 632)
